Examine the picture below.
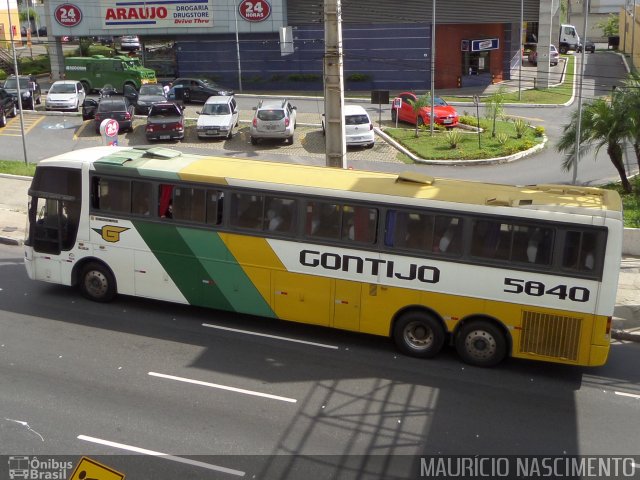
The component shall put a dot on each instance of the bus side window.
(580, 251)
(448, 233)
(214, 207)
(325, 220)
(112, 195)
(141, 196)
(246, 210)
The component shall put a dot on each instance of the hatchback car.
(273, 119)
(65, 95)
(445, 114)
(165, 122)
(218, 117)
(589, 46)
(29, 90)
(198, 89)
(118, 108)
(357, 125)
(554, 56)
(7, 107)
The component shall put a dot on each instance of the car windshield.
(356, 119)
(111, 106)
(11, 83)
(440, 102)
(152, 89)
(164, 111)
(270, 115)
(216, 109)
(62, 88)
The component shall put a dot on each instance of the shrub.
(539, 131)
(520, 126)
(3, 74)
(454, 137)
(358, 77)
(34, 66)
(473, 121)
(304, 77)
(502, 138)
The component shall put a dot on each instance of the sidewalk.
(626, 321)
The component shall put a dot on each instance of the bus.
(492, 270)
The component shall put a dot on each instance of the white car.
(357, 126)
(218, 117)
(65, 95)
(129, 43)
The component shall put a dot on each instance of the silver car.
(273, 119)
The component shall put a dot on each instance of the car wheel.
(14, 111)
(254, 141)
(289, 140)
(86, 86)
(370, 145)
(230, 134)
(3, 119)
(38, 101)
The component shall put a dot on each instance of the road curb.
(624, 335)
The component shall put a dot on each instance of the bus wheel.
(97, 283)
(419, 335)
(481, 343)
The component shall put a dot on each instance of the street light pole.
(433, 64)
(235, 15)
(15, 69)
(521, 51)
(579, 125)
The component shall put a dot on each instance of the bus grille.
(550, 335)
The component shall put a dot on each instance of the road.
(275, 400)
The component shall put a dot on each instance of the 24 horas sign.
(254, 10)
(68, 15)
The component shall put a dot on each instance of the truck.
(568, 39)
(97, 71)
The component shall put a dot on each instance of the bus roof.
(170, 164)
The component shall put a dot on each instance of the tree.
(611, 26)
(494, 107)
(417, 105)
(29, 15)
(602, 125)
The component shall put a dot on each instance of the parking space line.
(76, 135)
(248, 332)
(166, 456)
(223, 387)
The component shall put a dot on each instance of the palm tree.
(602, 124)
(417, 105)
(629, 98)
(494, 106)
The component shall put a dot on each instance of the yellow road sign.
(89, 469)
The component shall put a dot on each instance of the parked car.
(273, 119)
(65, 95)
(589, 46)
(165, 122)
(554, 56)
(118, 108)
(218, 117)
(149, 94)
(42, 31)
(29, 90)
(357, 125)
(198, 89)
(129, 43)
(8, 106)
(445, 114)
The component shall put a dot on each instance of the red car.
(445, 114)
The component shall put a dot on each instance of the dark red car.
(444, 113)
(165, 122)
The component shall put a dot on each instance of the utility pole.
(580, 83)
(336, 148)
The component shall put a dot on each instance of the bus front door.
(46, 237)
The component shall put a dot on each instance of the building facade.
(279, 44)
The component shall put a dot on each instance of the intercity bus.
(493, 270)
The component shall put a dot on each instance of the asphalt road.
(275, 400)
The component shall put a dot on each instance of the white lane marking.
(625, 394)
(223, 387)
(166, 456)
(247, 332)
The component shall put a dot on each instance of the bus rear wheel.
(481, 343)
(418, 334)
(97, 283)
